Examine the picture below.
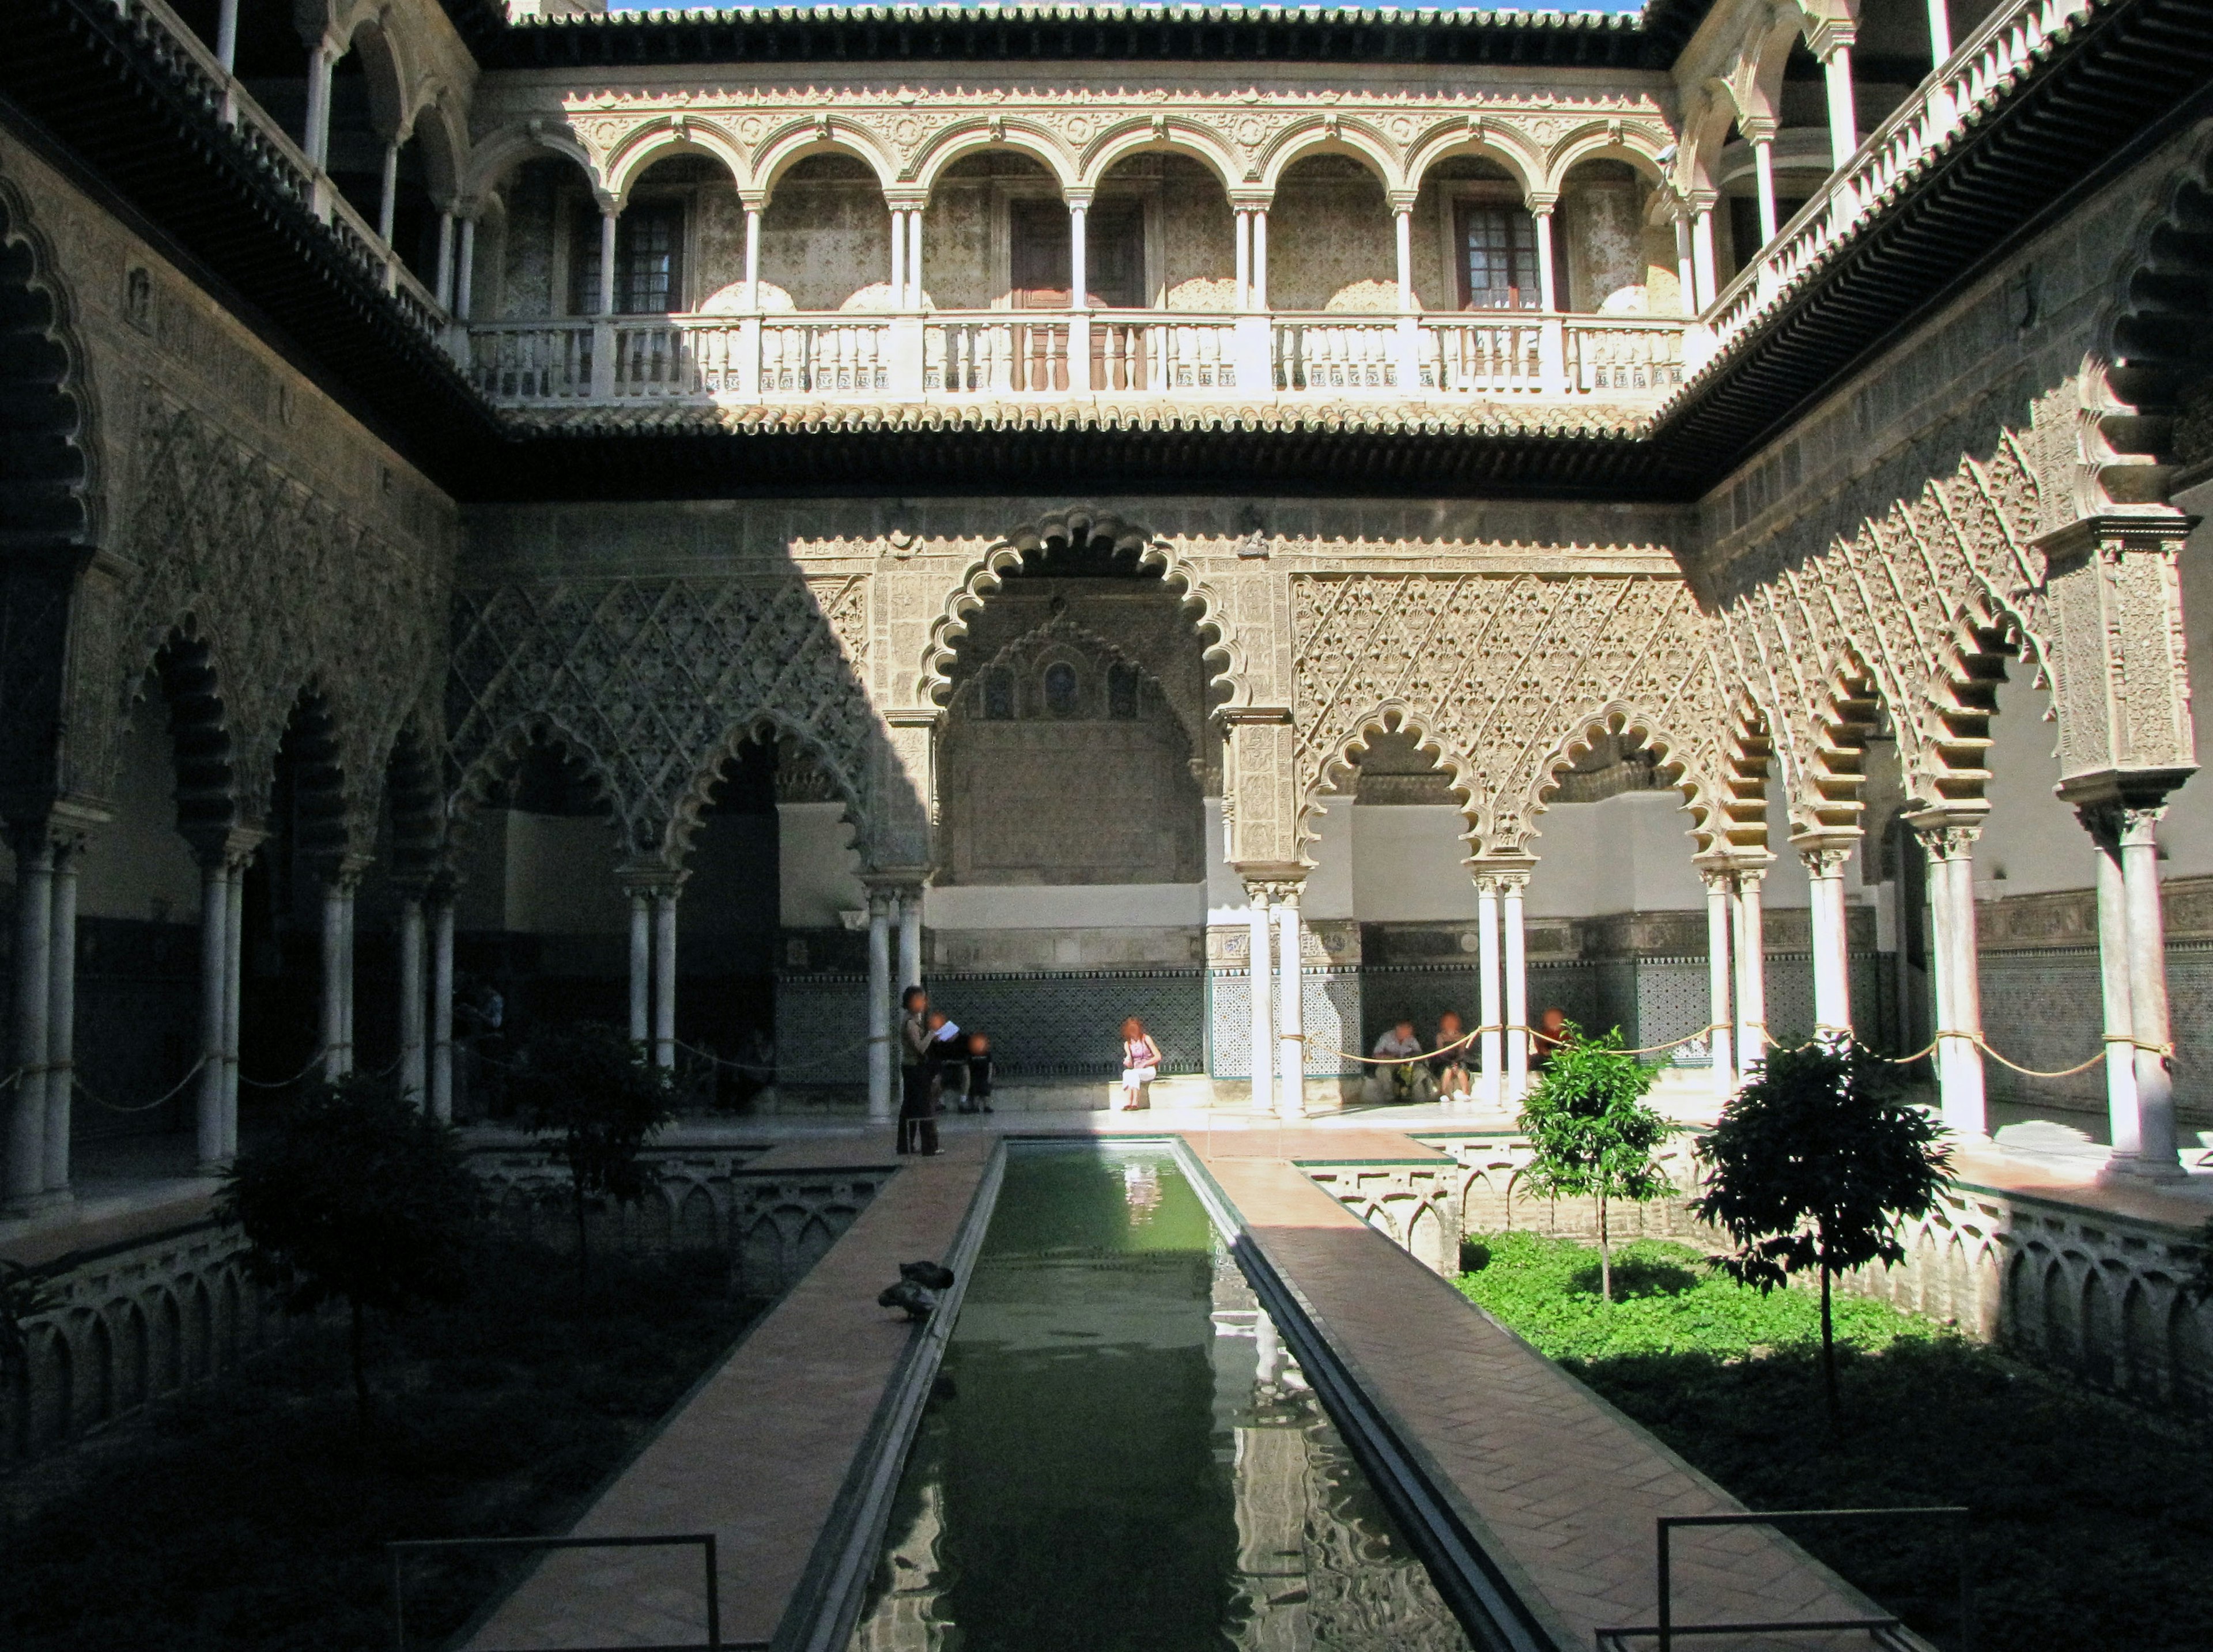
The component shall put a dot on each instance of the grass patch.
(251, 1516)
(2092, 1518)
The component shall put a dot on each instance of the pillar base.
(2125, 1168)
(38, 1205)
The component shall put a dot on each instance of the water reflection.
(1121, 1453)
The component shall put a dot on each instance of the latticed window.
(1498, 258)
(1060, 690)
(1122, 691)
(649, 261)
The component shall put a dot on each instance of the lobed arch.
(47, 415)
(1505, 146)
(1504, 831)
(417, 803)
(502, 756)
(1827, 782)
(323, 795)
(1957, 699)
(1748, 755)
(647, 146)
(766, 725)
(1164, 135)
(1022, 135)
(984, 576)
(495, 157)
(1330, 134)
(185, 666)
(2150, 353)
(1392, 717)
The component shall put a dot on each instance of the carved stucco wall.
(1890, 535)
(235, 503)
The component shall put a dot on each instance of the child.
(979, 1073)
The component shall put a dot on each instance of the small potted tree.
(357, 1196)
(1592, 1134)
(1815, 1164)
(597, 1095)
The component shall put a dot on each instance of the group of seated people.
(1407, 1071)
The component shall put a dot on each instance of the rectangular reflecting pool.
(1120, 1454)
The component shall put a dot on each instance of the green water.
(1119, 1455)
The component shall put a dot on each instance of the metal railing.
(1885, 1632)
(401, 1549)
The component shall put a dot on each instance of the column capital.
(1258, 891)
(1756, 128)
(1948, 834)
(1831, 35)
(2116, 823)
(1250, 200)
(233, 848)
(1540, 203)
(651, 878)
(904, 200)
(1825, 854)
(1401, 200)
(1496, 873)
(1283, 893)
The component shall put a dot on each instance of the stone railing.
(1994, 55)
(952, 354)
(170, 40)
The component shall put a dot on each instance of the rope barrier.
(168, 1096)
(754, 1069)
(314, 1062)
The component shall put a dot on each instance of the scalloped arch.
(699, 792)
(1389, 717)
(1034, 139)
(1218, 643)
(47, 415)
(502, 756)
(1702, 793)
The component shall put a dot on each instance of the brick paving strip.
(758, 1453)
(1564, 1487)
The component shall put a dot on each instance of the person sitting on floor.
(1404, 1076)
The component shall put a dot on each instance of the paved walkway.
(1566, 1488)
(758, 1453)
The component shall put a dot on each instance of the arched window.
(1122, 691)
(999, 695)
(1060, 689)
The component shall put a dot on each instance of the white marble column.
(61, 1020)
(1261, 971)
(1511, 886)
(2155, 1156)
(333, 982)
(316, 135)
(1702, 261)
(1751, 970)
(897, 275)
(215, 961)
(465, 273)
(2114, 983)
(234, 989)
(388, 191)
(1402, 239)
(1843, 114)
(1825, 863)
(641, 966)
(1939, 33)
(753, 256)
(347, 959)
(1720, 891)
(442, 1005)
(1687, 278)
(1244, 259)
(1949, 842)
(1290, 1028)
(879, 1004)
(664, 977)
(909, 936)
(1260, 258)
(1492, 1006)
(26, 1112)
(414, 1055)
(914, 258)
(610, 221)
(1762, 134)
(1548, 287)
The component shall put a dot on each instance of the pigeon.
(909, 1297)
(930, 1276)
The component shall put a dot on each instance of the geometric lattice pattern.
(1329, 1010)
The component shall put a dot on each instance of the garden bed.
(2092, 1519)
(250, 1516)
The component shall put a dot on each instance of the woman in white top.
(1141, 1064)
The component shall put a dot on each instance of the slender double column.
(223, 861)
(2132, 962)
(1512, 886)
(27, 1115)
(341, 877)
(1290, 1031)
(1843, 111)
(1824, 859)
(653, 893)
(1260, 949)
(1751, 966)
(1761, 133)
(1489, 1087)
(1948, 842)
(910, 936)
(880, 902)
(414, 1050)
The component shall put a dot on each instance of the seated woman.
(1141, 1064)
(1448, 1065)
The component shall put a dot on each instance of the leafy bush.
(1814, 1163)
(599, 1095)
(360, 1196)
(1592, 1132)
